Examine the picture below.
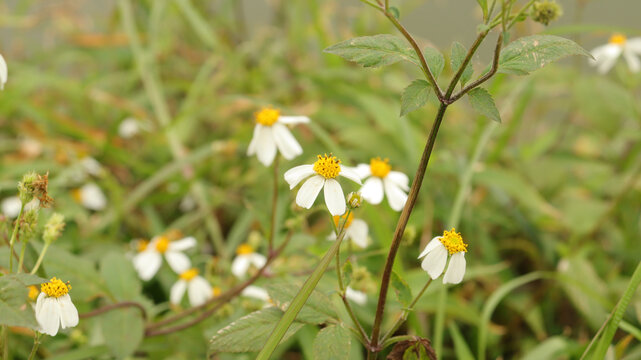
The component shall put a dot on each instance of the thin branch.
(115, 306)
(468, 57)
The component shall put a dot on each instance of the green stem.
(439, 320)
(5, 342)
(36, 343)
(401, 319)
(272, 229)
(14, 235)
(42, 256)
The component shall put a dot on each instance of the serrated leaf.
(249, 333)
(374, 51)
(317, 310)
(456, 60)
(415, 96)
(530, 53)
(120, 277)
(26, 279)
(401, 290)
(332, 343)
(123, 330)
(14, 310)
(435, 61)
(483, 103)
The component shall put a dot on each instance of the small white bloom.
(90, 196)
(356, 296)
(148, 260)
(355, 230)
(380, 180)
(436, 253)
(3, 72)
(54, 308)
(271, 133)
(187, 204)
(11, 206)
(256, 292)
(605, 56)
(322, 175)
(91, 166)
(128, 128)
(198, 289)
(245, 257)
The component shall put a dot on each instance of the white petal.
(49, 316)
(395, 196)
(334, 197)
(309, 191)
(177, 261)
(265, 145)
(240, 265)
(372, 190)
(286, 142)
(456, 269)
(399, 179)
(92, 197)
(182, 244)
(258, 260)
(435, 260)
(255, 292)
(634, 45)
(430, 246)
(351, 174)
(128, 128)
(297, 174)
(356, 296)
(91, 166)
(147, 263)
(251, 149)
(293, 119)
(606, 57)
(357, 231)
(3, 72)
(363, 170)
(68, 312)
(633, 62)
(11, 207)
(199, 291)
(39, 303)
(177, 291)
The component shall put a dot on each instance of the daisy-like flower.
(382, 180)
(198, 289)
(356, 296)
(3, 72)
(54, 308)
(245, 257)
(149, 258)
(271, 133)
(355, 229)
(11, 206)
(322, 175)
(90, 196)
(436, 253)
(128, 128)
(255, 292)
(605, 56)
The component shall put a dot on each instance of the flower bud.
(354, 200)
(26, 188)
(53, 228)
(545, 11)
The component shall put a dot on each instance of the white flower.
(356, 296)
(198, 289)
(54, 308)
(271, 132)
(187, 204)
(90, 196)
(11, 206)
(355, 229)
(245, 258)
(148, 260)
(128, 128)
(605, 56)
(322, 175)
(255, 292)
(382, 181)
(3, 72)
(436, 253)
(91, 166)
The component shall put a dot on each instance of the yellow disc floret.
(340, 219)
(55, 288)
(379, 168)
(618, 39)
(162, 244)
(244, 249)
(216, 291)
(141, 245)
(33, 292)
(453, 241)
(267, 116)
(189, 274)
(327, 166)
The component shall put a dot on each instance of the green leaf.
(401, 289)
(395, 12)
(415, 96)
(26, 279)
(551, 348)
(375, 51)
(483, 103)
(14, 310)
(332, 343)
(250, 332)
(120, 277)
(123, 330)
(317, 310)
(346, 273)
(530, 53)
(483, 5)
(435, 61)
(456, 60)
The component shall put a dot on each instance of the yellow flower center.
(617, 39)
(453, 241)
(267, 116)
(55, 288)
(189, 274)
(76, 194)
(163, 244)
(379, 168)
(340, 219)
(327, 166)
(33, 292)
(141, 245)
(216, 291)
(244, 249)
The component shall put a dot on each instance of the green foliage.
(123, 330)
(317, 310)
(332, 343)
(375, 51)
(483, 103)
(401, 290)
(456, 60)
(15, 309)
(531, 53)
(120, 277)
(415, 95)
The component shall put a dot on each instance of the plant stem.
(400, 227)
(115, 306)
(14, 235)
(406, 312)
(5, 342)
(36, 343)
(21, 260)
(42, 256)
(272, 230)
